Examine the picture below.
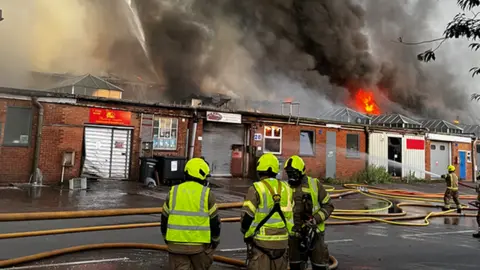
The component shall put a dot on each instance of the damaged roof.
(87, 81)
(345, 115)
(395, 120)
(441, 126)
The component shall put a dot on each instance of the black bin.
(170, 169)
(147, 168)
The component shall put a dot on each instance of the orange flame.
(288, 99)
(364, 101)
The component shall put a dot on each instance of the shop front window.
(272, 140)
(165, 133)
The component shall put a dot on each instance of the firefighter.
(477, 188)
(312, 208)
(190, 222)
(267, 218)
(452, 189)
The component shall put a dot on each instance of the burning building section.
(250, 50)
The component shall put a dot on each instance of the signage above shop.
(110, 117)
(224, 117)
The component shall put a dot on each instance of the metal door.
(439, 158)
(120, 157)
(107, 152)
(463, 165)
(217, 141)
(331, 155)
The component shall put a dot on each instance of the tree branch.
(400, 40)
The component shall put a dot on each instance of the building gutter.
(193, 134)
(38, 141)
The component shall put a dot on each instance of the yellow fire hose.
(350, 216)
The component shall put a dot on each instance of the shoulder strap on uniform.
(276, 207)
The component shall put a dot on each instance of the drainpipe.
(38, 139)
(193, 134)
(474, 159)
(367, 144)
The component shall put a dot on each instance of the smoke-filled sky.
(317, 52)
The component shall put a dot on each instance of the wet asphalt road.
(445, 244)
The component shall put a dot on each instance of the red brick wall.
(346, 167)
(16, 162)
(463, 147)
(63, 130)
(198, 144)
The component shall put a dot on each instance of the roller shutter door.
(107, 152)
(439, 157)
(217, 141)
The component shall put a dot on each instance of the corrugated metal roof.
(388, 119)
(87, 81)
(439, 125)
(473, 129)
(345, 115)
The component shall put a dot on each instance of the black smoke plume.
(348, 42)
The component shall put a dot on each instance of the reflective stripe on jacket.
(189, 217)
(274, 229)
(452, 181)
(313, 189)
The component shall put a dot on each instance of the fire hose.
(349, 216)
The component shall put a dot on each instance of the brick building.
(106, 138)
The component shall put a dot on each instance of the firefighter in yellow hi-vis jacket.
(190, 222)
(312, 208)
(452, 189)
(267, 218)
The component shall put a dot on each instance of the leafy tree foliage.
(462, 26)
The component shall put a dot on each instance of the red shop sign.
(110, 117)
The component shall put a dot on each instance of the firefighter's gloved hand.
(311, 222)
(248, 240)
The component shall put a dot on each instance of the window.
(307, 143)
(272, 140)
(18, 126)
(478, 148)
(433, 147)
(165, 132)
(442, 147)
(353, 145)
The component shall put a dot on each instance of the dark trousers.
(451, 194)
(319, 256)
(259, 260)
(199, 261)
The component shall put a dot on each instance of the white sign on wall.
(224, 117)
(257, 137)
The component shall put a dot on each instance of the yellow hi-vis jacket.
(452, 181)
(313, 190)
(188, 214)
(272, 229)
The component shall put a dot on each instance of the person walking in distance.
(452, 189)
(190, 223)
(312, 208)
(267, 218)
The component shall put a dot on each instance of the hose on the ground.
(144, 246)
(350, 216)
